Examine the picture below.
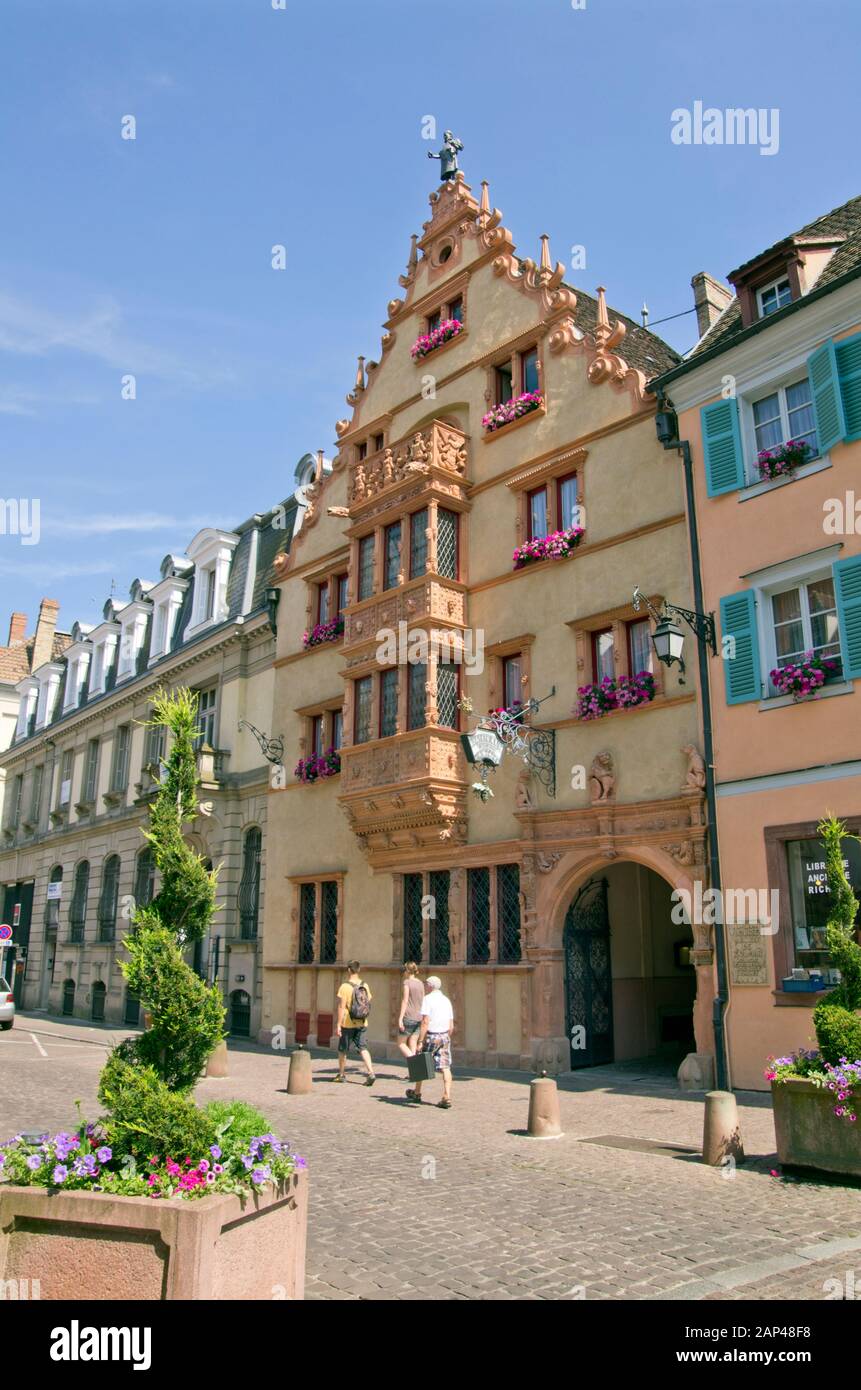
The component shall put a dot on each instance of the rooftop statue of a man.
(447, 155)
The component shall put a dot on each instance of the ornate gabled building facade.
(497, 495)
(83, 767)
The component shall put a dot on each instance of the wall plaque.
(747, 954)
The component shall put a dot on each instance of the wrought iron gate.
(589, 977)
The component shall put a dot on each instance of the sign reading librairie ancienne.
(746, 951)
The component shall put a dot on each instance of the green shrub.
(145, 1117)
(146, 1081)
(175, 995)
(243, 1122)
(838, 1032)
(837, 1024)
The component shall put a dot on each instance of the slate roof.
(844, 221)
(640, 347)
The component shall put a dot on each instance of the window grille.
(418, 543)
(417, 696)
(440, 949)
(389, 703)
(446, 544)
(306, 924)
(413, 925)
(446, 695)
(508, 912)
(478, 921)
(329, 924)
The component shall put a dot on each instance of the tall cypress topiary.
(836, 1019)
(146, 1080)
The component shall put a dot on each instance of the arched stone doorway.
(629, 983)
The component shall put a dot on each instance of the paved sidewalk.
(416, 1203)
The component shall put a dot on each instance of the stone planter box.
(83, 1245)
(809, 1134)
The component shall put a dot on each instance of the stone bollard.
(544, 1109)
(299, 1078)
(217, 1064)
(721, 1134)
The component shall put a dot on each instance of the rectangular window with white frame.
(773, 296)
(772, 417)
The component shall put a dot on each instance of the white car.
(7, 1004)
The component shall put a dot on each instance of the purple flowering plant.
(780, 461)
(506, 411)
(323, 632)
(80, 1162)
(803, 679)
(556, 546)
(621, 692)
(326, 765)
(842, 1079)
(443, 333)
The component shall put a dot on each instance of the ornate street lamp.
(505, 732)
(668, 639)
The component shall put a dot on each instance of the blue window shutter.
(848, 353)
(847, 590)
(722, 447)
(825, 390)
(741, 673)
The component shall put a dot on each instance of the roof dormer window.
(773, 296)
(211, 552)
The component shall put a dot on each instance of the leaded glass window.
(393, 555)
(438, 886)
(413, 924)
(366, 567)
(446, 694)
(306, 923)
(417, 696)
(389, 702)
(508, 912)
(418, 543)
(329, 924)
(446, 544)
(362, 724)
(478, 916)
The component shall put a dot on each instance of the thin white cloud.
(44, 571)
(105, 524)
(27, 330)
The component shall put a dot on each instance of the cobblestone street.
(420, 1203)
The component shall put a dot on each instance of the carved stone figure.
(602, 782)
(447, 156)
(695, 779)
(524, 799)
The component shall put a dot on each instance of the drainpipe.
(682, 446)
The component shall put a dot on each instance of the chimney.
(710, 300)
(43, 642)
(17, 629)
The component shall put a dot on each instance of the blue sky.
(302, 126)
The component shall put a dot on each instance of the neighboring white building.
(82, 768)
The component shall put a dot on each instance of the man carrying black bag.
(435, 1040)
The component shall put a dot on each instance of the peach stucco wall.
(740, 535)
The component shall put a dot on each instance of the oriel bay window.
(318, 914)
(447, 556)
